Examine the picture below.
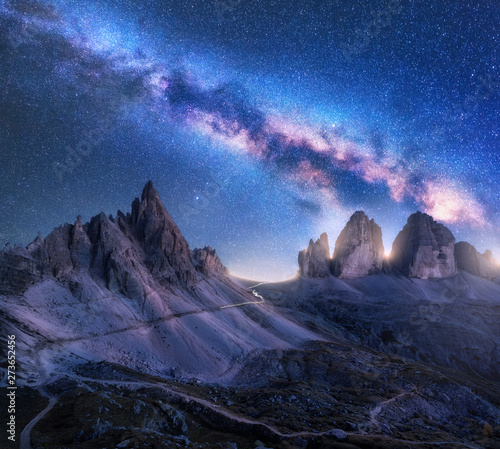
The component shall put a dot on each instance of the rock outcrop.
(424, 249)
(472, 261)
(81, 246)
(115, 258)
(58, 247)
(18, 270)
(207, 262)
(359, 250)
(315, 260)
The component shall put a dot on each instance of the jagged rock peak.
(208, 262)
(359, 250)
(471, 260)
(149, 192)
(81, 248)
(424, 249)
(150, 204)
(36, 246)
(315, 260)
(167, 249)
(127, 254)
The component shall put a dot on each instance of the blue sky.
(262, 124)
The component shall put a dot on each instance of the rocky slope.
(322, 396)
(451, 322)
(359, 250)
(424, 249)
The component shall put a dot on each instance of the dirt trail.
(376, 411)
(25, 440)
(25, 434)
(25, 437)
(164, 318)
(240, 419)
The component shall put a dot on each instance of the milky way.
(262, 124)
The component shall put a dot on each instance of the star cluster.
(262, 124)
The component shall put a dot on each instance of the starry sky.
(262, 123)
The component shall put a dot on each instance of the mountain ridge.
(423, 249)
(110, 247)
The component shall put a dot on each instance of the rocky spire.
(359, 250)
(80, 245)
(57, 245)
(424, 249)
(315, 260)
(169, 256)
(471, 260)
(208, 262)
(488, 255)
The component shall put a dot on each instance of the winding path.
(25, 438)
(239, 419)
(163, 318)
(376, 411)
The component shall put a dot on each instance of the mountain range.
(424, 249)
(128, 338)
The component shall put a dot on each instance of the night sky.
(262, 123)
